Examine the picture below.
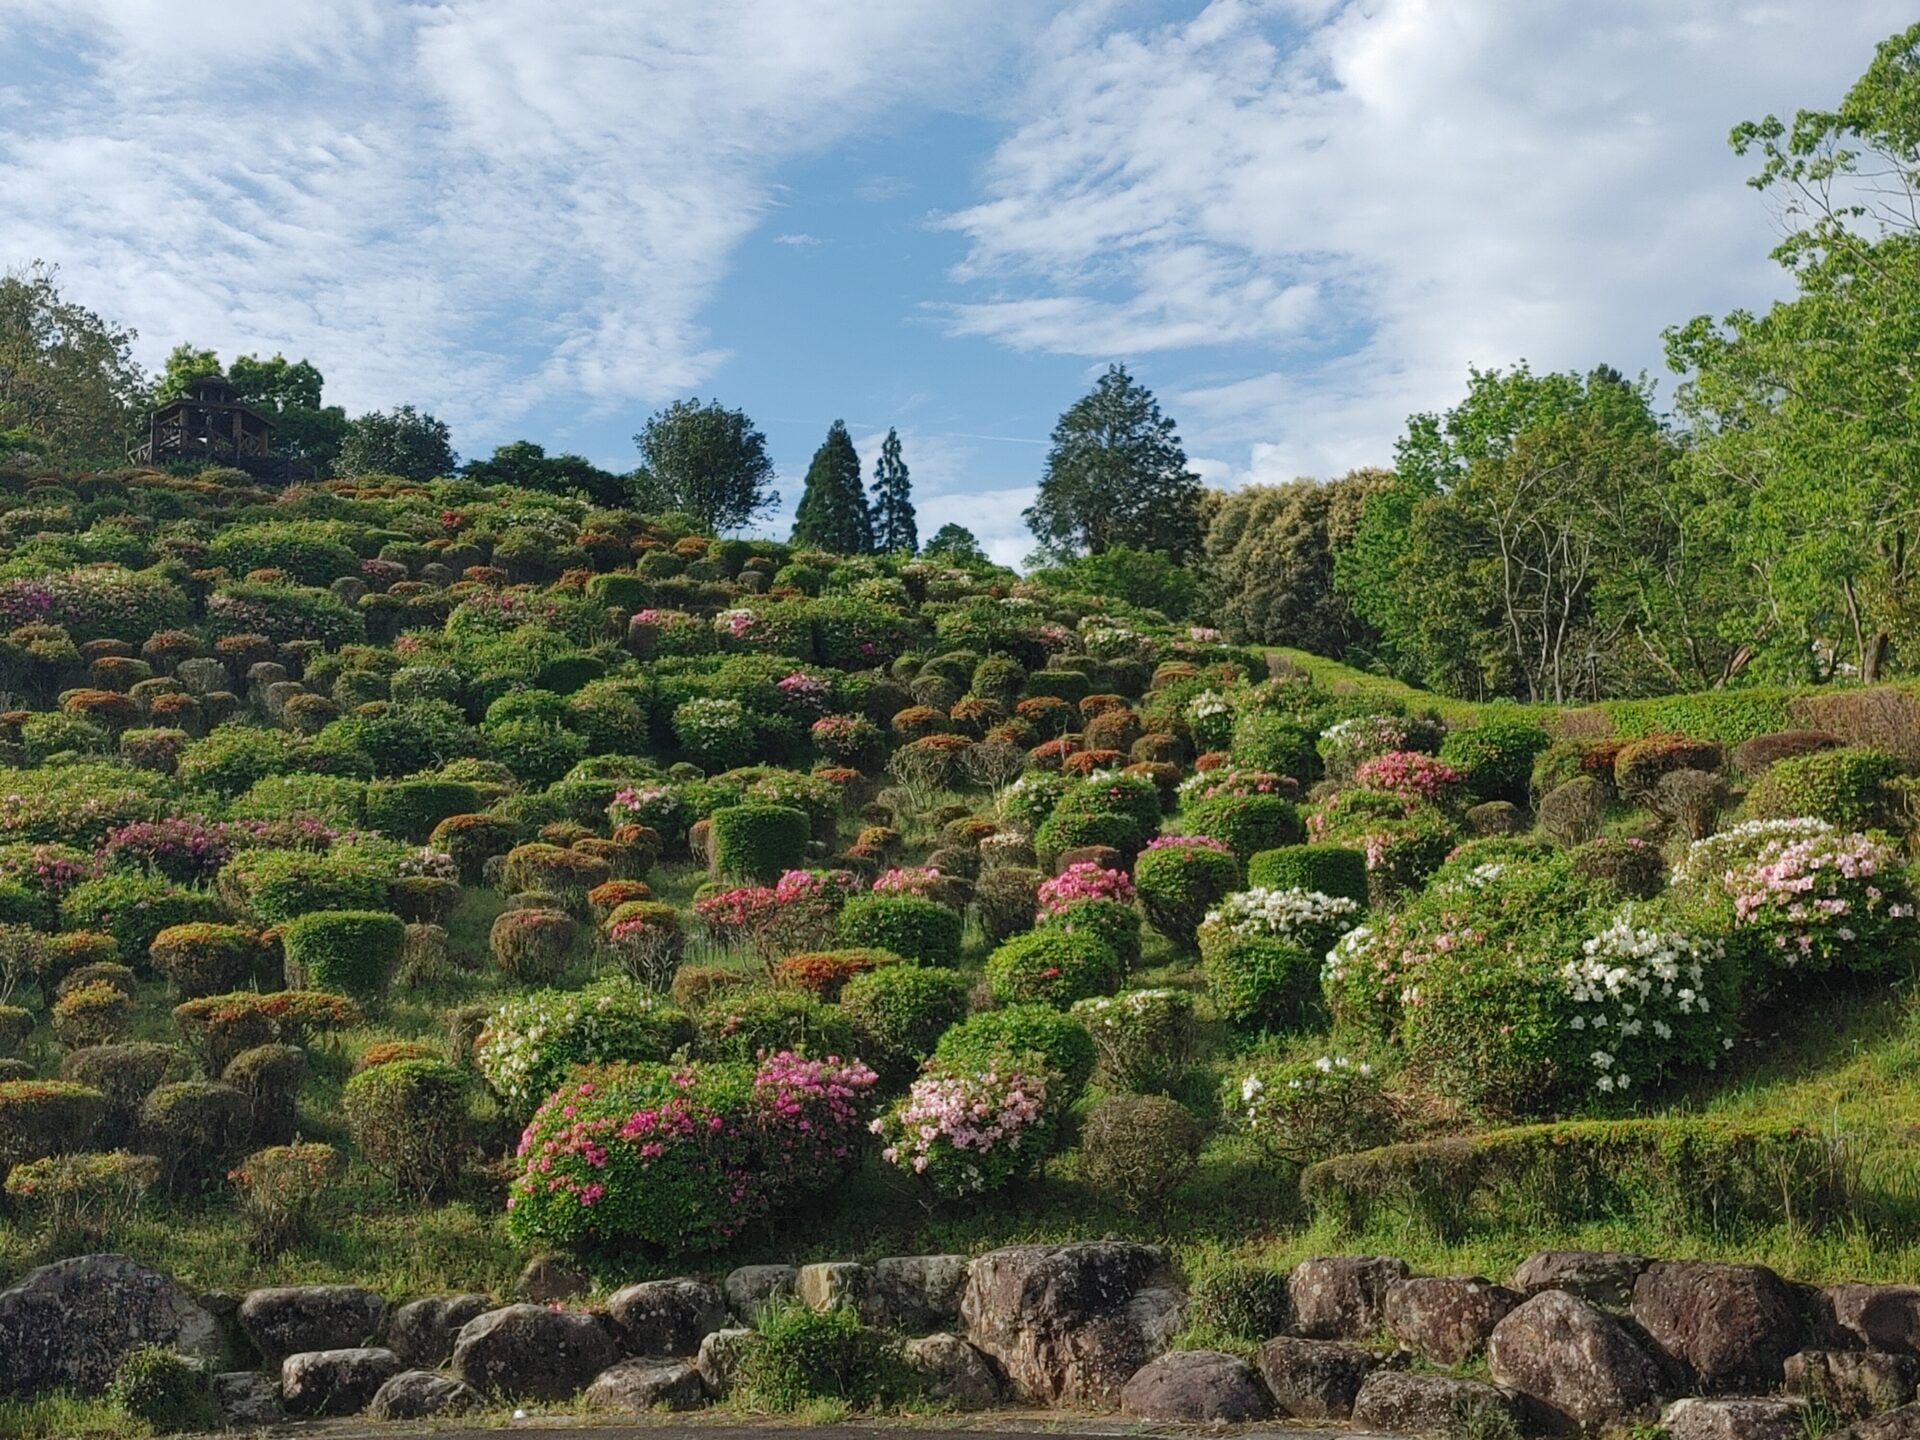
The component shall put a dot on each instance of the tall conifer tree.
(833, 509)
(893, 519)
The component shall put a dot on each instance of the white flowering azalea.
(1308, 918)
(1708, 862)
(1649, 989)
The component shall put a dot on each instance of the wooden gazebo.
(209, 425)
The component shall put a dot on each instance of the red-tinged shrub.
(826, 972)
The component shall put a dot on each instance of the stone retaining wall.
(1574, 1342)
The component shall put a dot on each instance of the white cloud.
(474, 206)
(1369, 197)
(798, 238)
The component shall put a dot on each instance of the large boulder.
(551, 1280)
(1901, 1424)
(1853, 1384)
(1447, 1319)
(646, 1383)
(66, 1326)
(666, 1317)
(294, 1319)
(421, 1394)
(719, 1359)
(1196, 1387)
(752, 1287)
(1575, 1359)
(1876, 1317)
(1743, 1419)
(1316, 1379)
(1342, 1297)
(1405, 1404)
(532, 1352)
(916, 1293)
(952, 1371)
(1070, 1324)
(1731, 1327)
(247, 1400)
(1603, 1277)
(832, 1284)
(335, 1382)
(421, 1331)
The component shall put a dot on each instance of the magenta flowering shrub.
(684, 1157)
(849, 739)
(1408, 772)
(660, 807)
(1822, 902)
(49, 870)
(967, 1134)
(797, 913)
(808, 692)
(1083, 881)
(187, 848)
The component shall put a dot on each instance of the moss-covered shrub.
(46, 1117)
(1139, 1149)
(205, 959)
(1329, 869)
(352, 952)
(911, 927)
(1000, 1037)
(758, 842)
(409, 1120)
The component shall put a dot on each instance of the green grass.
(60, 1416)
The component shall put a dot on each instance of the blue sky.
(1297, 220)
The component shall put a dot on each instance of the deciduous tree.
(403, 441)
(705, 460)
(68, 380)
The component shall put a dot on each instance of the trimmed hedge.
(1179, 884)
(1689, 1175)
(899, 1013)
(1726, 716)
(1053, 967)
(347, 951)
(46, 1117)
(1330, 869)
(409, 1119)
(911, 927)
(996, 1036)
(410, 809)
(1245, 824)
(1847, 788)
(758, 842)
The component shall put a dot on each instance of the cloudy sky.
(1297, 220)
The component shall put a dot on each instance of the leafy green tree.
(833, 514)
(185, 364)
(1270, 557)
(894, 528)
(403, 441)
(1116, 475)
(1136, 577)
(526, 464)
(955, 545)
(1807, 417)
(705, 460)
(68, 379)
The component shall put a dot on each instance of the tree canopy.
(706, 461)
(403, 441)
(956, 545)
(287, 392)
(526, 464)
(69, 386)
(833, 514)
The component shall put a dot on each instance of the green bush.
(270, 1076)
(554, 870)
(1260, 983)
(1248, 1303)
(197, 1129)
(351, 952)
(530, 1042)
(744, 1024)
(1725, 716)
(1245, 824)
(1005, 898)
(1329, 869)
(166, 1391)
(1061, 832)
(410, 809)
(1639, 765)
(1139, 1149)
(998, 1037)
(124, 1074)
(409, 1120)
(1848, 788)
(337, 800)
(134, 908)
(46, 1117)
(1144, 1038)
(1275, 743)
(911, 927)
(1131, 795)
(797, 1355)
(1053, 967)
(1116, 922)
(472, 840)
(1496, 754)
(899, 1012)
(205, 959)
(1179, 883)
(536, 753)
(276, 886)
(533, 946)
(97, 1012)
(758, 842)
(1690, 1176)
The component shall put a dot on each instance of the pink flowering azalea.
(1084, 881)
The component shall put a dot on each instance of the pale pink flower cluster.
(1408, 772)
(975, 1114)
(1084, 881)
(1816, 892)
(808, 689)
(921, 880)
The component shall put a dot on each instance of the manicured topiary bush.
(134, 908)
(409, 1120)
(1053, 967)
(758, 842)
(349, 951)
(197, 1129)
(1139, 1150)
(1181, 877)
(826, 972)
(205, 959)
(529, 1043)
(743, 1024)
(899, 1012)
(1848, 788)
(1144, 1037)
(911, 927)
(276, 886)
(1261, 983)
(1007, 1037)
(1329, 869)
(474, 839)
(1496, 754)
(1060, 832)
(411, 809)
(533, 946)
(164, 1390)
(1246, 824)
(1639, 765)
(95, 1013)
(1277, 743)
(46, 1117)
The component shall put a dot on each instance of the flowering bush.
(186, 848)
(798, 913)
(1348, 744)
(531, 1041)
(1144, 1038)
(808, 693)
(1209, 716)
(684, 1157)
(1407, 772)
(1708, 862)
(1084, 880)
(1028, 801)
(921, 880)
(662, 808)
(1304, 1111)
(1226, 779)
(1305, 918)
(1654, 1001)
(849, 739)
(968, 1134)
(715, 732)
(1828, 901)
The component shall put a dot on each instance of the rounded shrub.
(276, 886)
(134, 908)
(1116, 922)
(46, 1117)
(758, 842)
(16, 1024)
(899, 1012)
(270, 1076)
(472, 840)
(1180, 878)
(411, 809)
(124, 1074)
(351, 952)
(164, 1390)
(197, 1129)
(96, 1013)
(1245, 824)
(1139, 1150)
(1329, 869)
(910, 926)
(1639, 765)
(745, 1024)
(409, 1120)
(1848, 788)
(554, 870)
(1259, 983)
(1052, 967)
(204, 958)
(534, 946)
(529, 1043)
(1007, 1036)
(826, 972)
(1063, 831)
(1144, 1038)
(1276, 743)
(1496, 755)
